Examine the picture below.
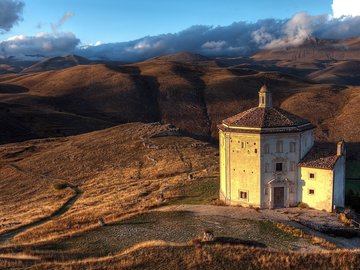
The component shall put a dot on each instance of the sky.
(135, 29)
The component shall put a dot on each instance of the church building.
(268, 159)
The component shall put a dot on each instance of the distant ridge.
(314, 49)
(57, 63)
(344, 72)
(182, 57)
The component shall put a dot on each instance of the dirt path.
(6, 237)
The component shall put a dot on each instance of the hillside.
(56, 63)
(37, 177)
(194, 98)
(182, 57)
(55, 191)
(342, 72)
(314, 49)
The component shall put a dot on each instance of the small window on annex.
(292, 166)
(279, 167)
(292, 147)
(243, 195)
(312, 175)
(311, 191)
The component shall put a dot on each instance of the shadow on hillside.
(132, 70)
(237, 241)
(12, 89)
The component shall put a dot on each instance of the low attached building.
(268, 160)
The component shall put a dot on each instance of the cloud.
(345, 8)
(43, 44)
(238, 39)
(10, 14)
(55, 26)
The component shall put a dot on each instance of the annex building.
(268, 159)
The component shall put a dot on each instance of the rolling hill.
(342, 72)
(56, 63)
(194, 98)
(314, 49)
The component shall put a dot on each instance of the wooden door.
(278, 197)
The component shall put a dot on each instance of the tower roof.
(264, 89)
(265, 117)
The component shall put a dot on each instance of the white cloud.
(346, 8)
(46, 44)
(214, 45)
(10, 13)
(67, 15)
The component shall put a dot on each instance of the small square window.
(292, 166)
(292, 147)
(279, 167)
(243, 195)
(279, 146)
(312, 175)
(311, 191)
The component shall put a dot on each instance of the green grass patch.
(353, 169)
(269, 228)
(353, 185)
(352, 182)
(198, 192)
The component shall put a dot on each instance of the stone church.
(268, 159)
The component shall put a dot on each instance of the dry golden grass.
(120, 171)
(160, 255)
(300, 233)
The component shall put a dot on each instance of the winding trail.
(6, 237)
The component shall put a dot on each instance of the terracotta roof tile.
(269, 117)
(321, 156)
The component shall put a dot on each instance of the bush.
(60, 185)
(303, 205)
(352, 199)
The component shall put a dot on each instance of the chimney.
(265, 99)
(340, 148)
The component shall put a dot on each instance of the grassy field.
(162, 255)
(175, 227)
(120, 171)
(121, 175)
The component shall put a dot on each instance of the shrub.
(60, 185)
(344, 219)
(303, 205)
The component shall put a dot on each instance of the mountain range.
(69, 95)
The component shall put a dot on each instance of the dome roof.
(264, 89)
(265, 117)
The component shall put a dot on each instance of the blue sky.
(123, 20)
(133, 30)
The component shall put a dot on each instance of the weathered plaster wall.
(289, 159)
(321, 184)
(240, 162)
